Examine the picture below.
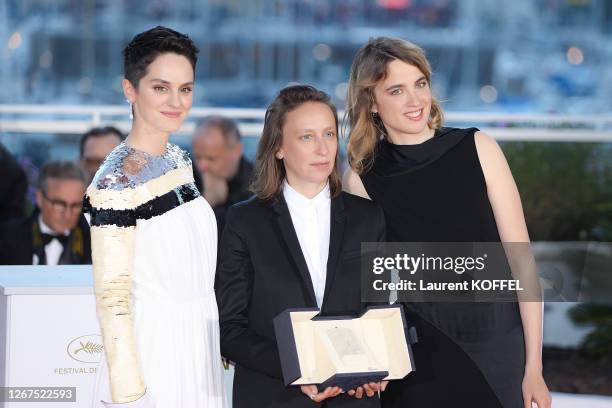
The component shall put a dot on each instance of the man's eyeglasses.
(61, 205)
(93, 163)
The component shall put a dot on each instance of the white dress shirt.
(311, 220)
(54, 249)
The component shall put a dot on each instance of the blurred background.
(524, 56)
(535, 74)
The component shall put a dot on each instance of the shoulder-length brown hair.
(269, 170)
(369, 67)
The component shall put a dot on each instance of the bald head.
(216, 147)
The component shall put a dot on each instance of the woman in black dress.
(439, 184)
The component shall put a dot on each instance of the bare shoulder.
(352, 184)
(491, 156)
(485, 144)
(487, 147)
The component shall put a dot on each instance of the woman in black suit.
(295, 244)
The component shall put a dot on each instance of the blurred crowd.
(56, 231)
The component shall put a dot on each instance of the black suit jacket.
(262, 272)
(13, 186)
(238, 190)
(19, 242)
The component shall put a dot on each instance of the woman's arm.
(508, 211)
(112, 244)
(233, 288)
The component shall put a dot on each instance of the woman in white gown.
(154, 245)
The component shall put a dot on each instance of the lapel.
(66, 255)
(74, 249)
(283, 218)
(336, 235)
(35, 240)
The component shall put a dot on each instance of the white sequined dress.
(154, 249)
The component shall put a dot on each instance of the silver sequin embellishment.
(126, 167)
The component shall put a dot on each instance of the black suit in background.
(237, 190)
(262, 272)
(21, 239)
(13, 186)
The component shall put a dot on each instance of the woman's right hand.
(313, 392)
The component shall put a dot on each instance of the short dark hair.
(98, 132)
(228, 127)
(269, 171)
(63, 170)
(148, 45)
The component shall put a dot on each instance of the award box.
(344, 351)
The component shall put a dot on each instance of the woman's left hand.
(368, 389)
(535, 390)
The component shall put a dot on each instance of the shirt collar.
(295, 198)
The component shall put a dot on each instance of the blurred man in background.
(13, 186)
(226, 174)
(95, 145)
(56, 233)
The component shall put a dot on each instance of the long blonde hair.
(369, 67)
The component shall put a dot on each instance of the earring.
(131, 109)
(375, 115)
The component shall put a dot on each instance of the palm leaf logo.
(89, 347)
(86, 349)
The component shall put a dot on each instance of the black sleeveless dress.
(468, 354)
